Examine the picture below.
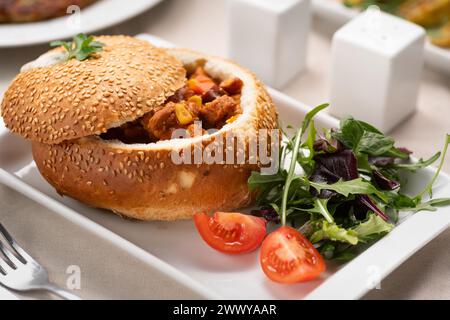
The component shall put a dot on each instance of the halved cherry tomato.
(288, 257)
(231, 232)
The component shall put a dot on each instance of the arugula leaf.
(317, 206)
(81, 47)
(429, 205)
(256, 179)
(291, 173)
(320, 206)
(307, 162)
(429, 187)
(402, 201)
(373, 226)
(345, 188)
(397, 153)
(311, 114)
(333, 232)
(417, 165)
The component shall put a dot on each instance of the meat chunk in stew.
(161, 124)
(215, 113)
(232, 86)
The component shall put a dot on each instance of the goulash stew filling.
(211, 101)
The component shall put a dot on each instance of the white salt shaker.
(269, 37)
(377, 62)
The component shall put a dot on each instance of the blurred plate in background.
(99, 15)
(335, 12)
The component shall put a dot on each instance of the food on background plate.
(100, 113)
(335, 193)
(433, 15)
(35, 10)
(441, 36)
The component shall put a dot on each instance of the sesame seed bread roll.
(74, 99)
(142, 181)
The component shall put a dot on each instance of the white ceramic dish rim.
(22, 187)
(18, 35)
(333, 10)
(400, 246)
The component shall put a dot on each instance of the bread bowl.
(68, 109)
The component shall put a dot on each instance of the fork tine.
(21, 254)
(9, 257)
(4, 267)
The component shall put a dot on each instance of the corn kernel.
(197, 100)
(232, 119)
(183, 114)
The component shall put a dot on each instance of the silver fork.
(20, 272)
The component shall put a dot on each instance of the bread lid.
(72, 99)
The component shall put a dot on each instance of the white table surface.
(200, 25)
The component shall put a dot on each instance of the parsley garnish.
(81, 47)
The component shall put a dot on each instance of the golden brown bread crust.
(144, 185)
(35, 10)
(141, 181)
(74, 99)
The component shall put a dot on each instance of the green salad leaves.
(342, 188)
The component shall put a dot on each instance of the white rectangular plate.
(335, 12)
(191, 263)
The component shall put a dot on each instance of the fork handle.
(66, 295)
